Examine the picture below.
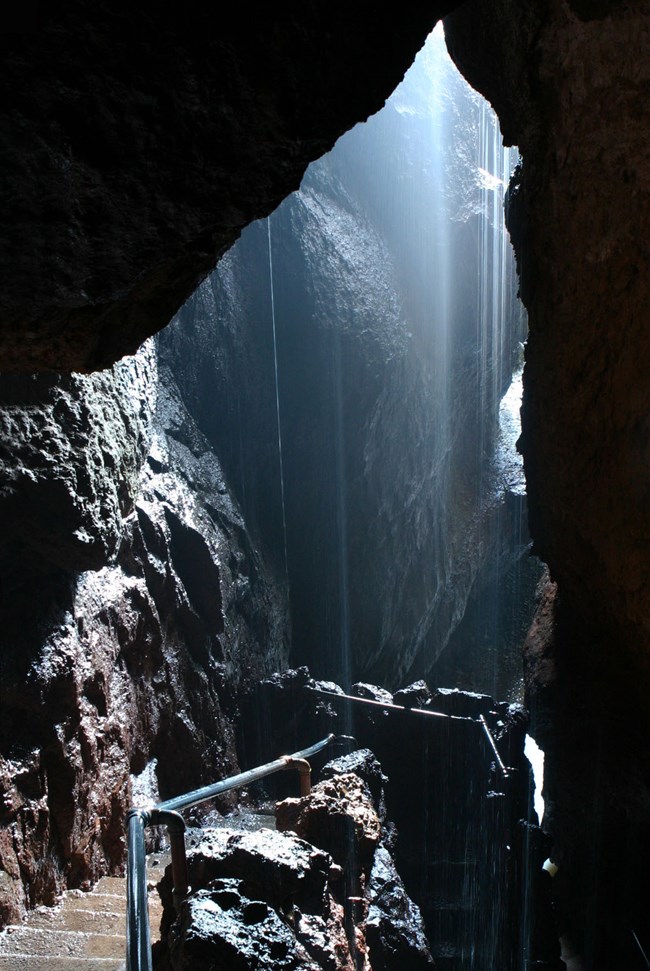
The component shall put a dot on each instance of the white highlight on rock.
(535, 756)
(509, 463)
(144, 787)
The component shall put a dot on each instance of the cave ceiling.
(138, 141)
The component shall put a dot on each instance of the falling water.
(495, 166)
(277, 401)
(398, 340)
(345, 661)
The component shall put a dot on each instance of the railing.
(167, 813)
(390, 706)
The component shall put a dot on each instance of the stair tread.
(108, 903)
(111, 884)
(31, 962)
(85, 931)
(57, 943)
(92, 921)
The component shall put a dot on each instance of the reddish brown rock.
(339, 817)
(131, 666)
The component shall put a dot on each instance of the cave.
(137, 146)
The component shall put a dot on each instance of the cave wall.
(390, 369)
(113, 209)
(127, 628)
(570, 84)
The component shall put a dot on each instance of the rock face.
(71, 449)
(132, 665)
(255, 890)
(569, 81)
(137, 144)
(347, 366)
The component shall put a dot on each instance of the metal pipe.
(643, 953)
(394, 707)
(236, 781)
(425, 711)
(138, 939)
(176, 828)
(493, 746)
(304, 770)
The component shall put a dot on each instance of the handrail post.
(176, 828)
(138, 936)
(304, 771)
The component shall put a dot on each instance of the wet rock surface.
(323, 893)
(129, 670)
(340, 817)
(71, 450)
(258, 899)
(394, 927)
(221, 926)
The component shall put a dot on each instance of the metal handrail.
(505, 770)
(138, 935)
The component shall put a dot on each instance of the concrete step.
(85, 931)
(85, 921)
(57, 943)
(27, 962)
(110, 885)
(107, 903)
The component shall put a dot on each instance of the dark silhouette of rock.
(394, 926)
(138, 143)
(568, 85)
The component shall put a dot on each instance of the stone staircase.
(85, 931)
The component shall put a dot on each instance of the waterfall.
(395, 329)
(494, 170)
(277, 401)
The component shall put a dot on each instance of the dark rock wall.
(570, 83)
(137, 143)
(126, 635)
(390, 368)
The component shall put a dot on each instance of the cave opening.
(367, 415)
